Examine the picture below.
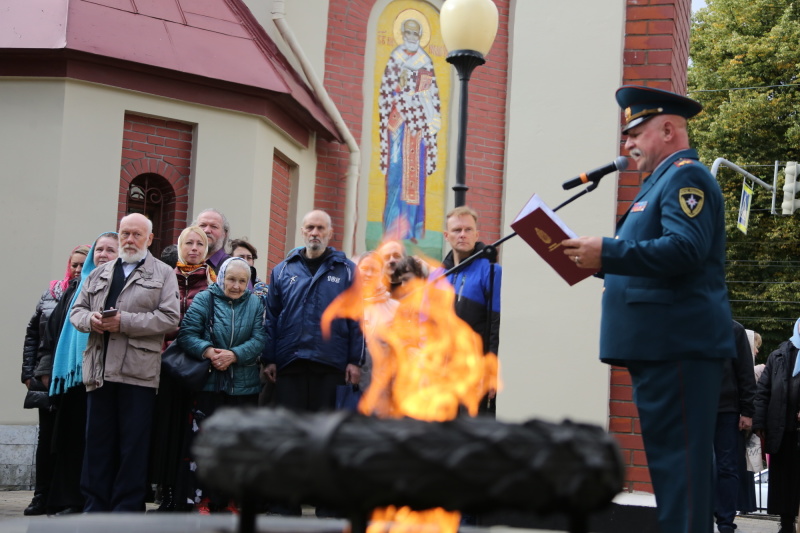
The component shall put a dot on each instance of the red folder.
(541, 228)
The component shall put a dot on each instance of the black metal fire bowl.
(355, 463)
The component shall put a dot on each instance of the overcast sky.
(697, 4)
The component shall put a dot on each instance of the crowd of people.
(116, 429)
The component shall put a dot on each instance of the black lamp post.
(468, 30)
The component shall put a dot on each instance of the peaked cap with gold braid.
(643, 103)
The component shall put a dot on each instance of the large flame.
(428, 364)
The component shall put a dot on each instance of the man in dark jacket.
(477, 285)
(777, 422)
(305, 367)
(734, 415)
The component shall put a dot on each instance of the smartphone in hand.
(108, 313)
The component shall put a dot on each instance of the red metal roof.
(215, 39)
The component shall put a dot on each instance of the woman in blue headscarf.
(777, 422)
(67, 390)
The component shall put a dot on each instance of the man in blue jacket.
(666, 315)
(305, 367)
(477, 285)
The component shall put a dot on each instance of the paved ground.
(13, 502)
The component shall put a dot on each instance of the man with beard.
(666, 315)
(304, 366)
(216, 227)
(126, 306)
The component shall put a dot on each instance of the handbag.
(190, 372)
(347, 397)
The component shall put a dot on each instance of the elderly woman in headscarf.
(37, 378)
(777, 422)
(232, 345)
(67, 345)
(174, 403)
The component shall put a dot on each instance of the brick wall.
(344, 75)
(656, 54)
(279, 211)
(162, 147)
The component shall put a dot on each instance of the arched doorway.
(152, 196)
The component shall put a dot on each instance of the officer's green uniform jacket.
(665, 296)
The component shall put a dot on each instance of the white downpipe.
(352, 175)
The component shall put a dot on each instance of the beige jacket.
(149, 308)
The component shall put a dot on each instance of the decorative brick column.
(656, 55)
(279, 211)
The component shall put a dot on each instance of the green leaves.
(745, 70)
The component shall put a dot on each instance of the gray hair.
(328, 218)
(147, 219)
(226, 226)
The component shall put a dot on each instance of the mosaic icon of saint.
(410, 118)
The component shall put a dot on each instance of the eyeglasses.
(246, 257)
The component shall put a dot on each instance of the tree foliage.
(745, 70)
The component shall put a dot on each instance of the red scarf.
(190, 269)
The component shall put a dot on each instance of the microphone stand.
(491, 249)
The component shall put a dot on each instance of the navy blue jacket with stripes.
(295, 303)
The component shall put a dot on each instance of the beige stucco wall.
(308, 21)
(60, 143)
(566, 61)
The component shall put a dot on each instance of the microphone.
(620, 163)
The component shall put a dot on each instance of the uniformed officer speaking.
(666, 315)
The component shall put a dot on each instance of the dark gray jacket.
(772, 398)
(34, 335)
(738, 391)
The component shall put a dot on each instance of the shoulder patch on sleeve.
(682, 162)
(691, 200)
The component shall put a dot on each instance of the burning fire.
(428, 364)
(404, 520)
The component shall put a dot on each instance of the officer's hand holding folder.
(543, 230)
